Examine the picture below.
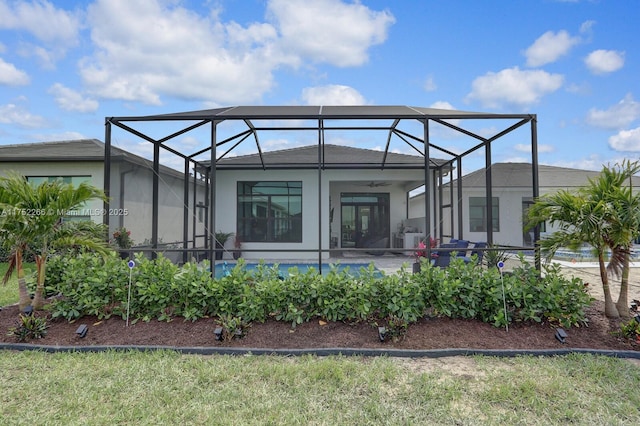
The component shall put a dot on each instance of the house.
(511, 197)
(131, 178)
(280, 207)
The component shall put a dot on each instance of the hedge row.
(92, 285)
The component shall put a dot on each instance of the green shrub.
(29, 327)
(89, 284)
(93, 285)
(630, 329)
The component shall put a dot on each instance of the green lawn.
(9, 291)
(167, 388)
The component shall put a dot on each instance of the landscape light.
(28, 311)
(382, 333)
(561, 335)
(82, 330)
(218, 333)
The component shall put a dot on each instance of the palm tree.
(624, 221)
(604, 214)
(580, 219)
(32, 219)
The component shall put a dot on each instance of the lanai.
(411, 127)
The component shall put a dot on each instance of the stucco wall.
(92, 169)
(334, 182)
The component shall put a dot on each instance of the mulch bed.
(431, 333)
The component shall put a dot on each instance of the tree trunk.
(610, 309)
(38, 298)
(24, 300)
(623, 298)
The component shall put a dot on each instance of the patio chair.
(462, 244)
(443, 259)
(477, 252)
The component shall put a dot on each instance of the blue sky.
(66, 65)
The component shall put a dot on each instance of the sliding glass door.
(364, 219)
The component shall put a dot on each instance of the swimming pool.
(302, 268)
(585, 253)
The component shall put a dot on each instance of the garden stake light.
(504, 299)
(28, 310)
(130, 264)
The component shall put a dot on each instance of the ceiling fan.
(374, 184)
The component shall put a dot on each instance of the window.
(478, 214)
(79, 214)
(74, 180)
(270, 211)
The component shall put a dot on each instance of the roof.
(514, 175)
(334, 156)
(90, 150)
(298, 112)
(69, 150)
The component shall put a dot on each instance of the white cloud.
(542, 148)
(332, 94)
(151, 49)
(56, 28)
(429, 84)
(12, 76)
(604, 61)
(513, 86)
(15, 114)
(64, 136)
(618, 116)
(626, 140)
(549, 47)
(441, 105)
(592, 162)
(42, 19)
(587, 27)
(70, 100)
(329, 31)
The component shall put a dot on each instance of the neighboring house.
(78, 161)
(511, 193)
(279, 207)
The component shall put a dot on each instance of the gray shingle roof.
(514, 175)
(333, 155)
(69, 150)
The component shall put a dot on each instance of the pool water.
(283, 268)
(586, 254)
